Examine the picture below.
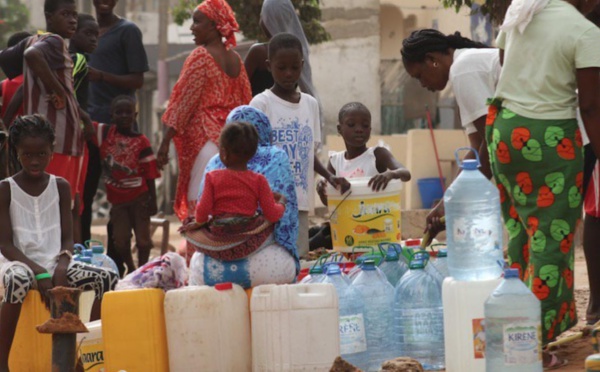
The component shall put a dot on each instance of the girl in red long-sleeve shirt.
(236, 191)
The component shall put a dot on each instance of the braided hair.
(240, 139)
(35, 125)
(421, 42)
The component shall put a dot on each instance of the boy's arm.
(66, 228)
(40, 68)
(337, 182)
(13, 107)
(390, 169)
(272, 210)
(322, 185)
(130, 81)
(88, 127)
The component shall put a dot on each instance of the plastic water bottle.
(513, 327)
(438, 268)
(315, 275)
(353, 341)
(378, 295)
(392, 266)
(418, 317)
(99, 259)
(473, 225)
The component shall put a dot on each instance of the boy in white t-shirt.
(296, 125)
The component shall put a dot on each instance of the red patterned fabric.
(199, 104)
(221, 14)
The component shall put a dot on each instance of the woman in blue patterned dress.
(271, 264)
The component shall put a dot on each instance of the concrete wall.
(346, 68)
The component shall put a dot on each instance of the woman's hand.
(162, 155)
(189, 226)
(279, 198)
(434, 223)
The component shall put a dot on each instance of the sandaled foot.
(554, 362)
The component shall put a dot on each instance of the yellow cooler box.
(31, 351)
(134, 333)
(363, 217)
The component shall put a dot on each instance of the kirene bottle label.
(352, 334)
(522, 343)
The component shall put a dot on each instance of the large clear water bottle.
(513, 326)
(473, 225)
(438, 267)
(378, 295)
(418, 317)
(99, 259)
(353, 340)
(392, 266)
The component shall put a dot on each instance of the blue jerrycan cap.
(467, 164)
(333, 269)
(368, 265)
(417, 265)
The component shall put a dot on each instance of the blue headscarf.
(274, 164)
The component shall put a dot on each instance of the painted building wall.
(346, 68)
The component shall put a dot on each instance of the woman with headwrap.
(273, 263)
(277, 16)
(213, 81)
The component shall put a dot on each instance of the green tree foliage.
(494, 8)
(14, 17)
(248, 16)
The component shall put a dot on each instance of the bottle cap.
(417, 265)
(317, 269)
(98, 249)
(85, 259)
(470, 164)
(511, 273)
(391, 255)
(87, 253)
(333, 269)
(442, 253)
(368, 265)
(223, 286)
(413, 242)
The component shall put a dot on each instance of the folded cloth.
(520, 13)
(228, 238)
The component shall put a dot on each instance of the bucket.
(363, 217)
(431, 190)
(91, 347)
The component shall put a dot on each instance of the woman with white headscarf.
(277, 16)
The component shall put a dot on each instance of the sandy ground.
(575, 351)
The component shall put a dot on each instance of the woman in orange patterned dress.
(213, 82)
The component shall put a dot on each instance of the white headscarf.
(280, 16)
(520, 13)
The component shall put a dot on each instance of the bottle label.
(478, 338)
(420, 325)
(522, 343)
(352, 334)
(482, 230)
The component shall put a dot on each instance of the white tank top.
(362, 166)
(36, 223)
